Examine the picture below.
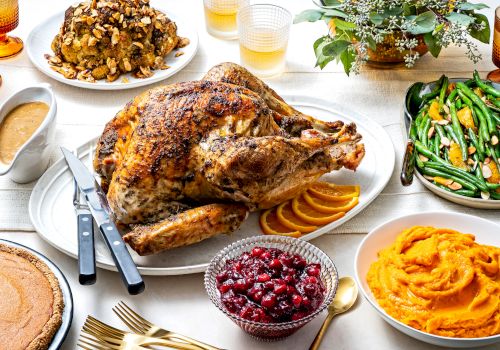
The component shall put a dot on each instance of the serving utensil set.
(97, 335)
(97, 204)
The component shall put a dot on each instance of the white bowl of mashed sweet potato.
(435, 276)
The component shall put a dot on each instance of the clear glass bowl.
(312, 254)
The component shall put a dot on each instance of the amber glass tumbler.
(495, 75)
(9, 19)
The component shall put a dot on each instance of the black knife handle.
(408, 167)
(123, 261)
(86, 253)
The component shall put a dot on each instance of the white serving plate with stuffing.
(52, 214)
(40, 39)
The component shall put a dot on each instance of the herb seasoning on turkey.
(187, 161)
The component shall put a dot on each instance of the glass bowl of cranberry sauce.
(271, 286)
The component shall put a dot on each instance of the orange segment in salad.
(271, 225)
(332, 192)
(330, 207)
(288, 219)
(305, 212)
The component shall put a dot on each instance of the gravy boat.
(32, 159)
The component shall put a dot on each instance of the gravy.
(18, 126)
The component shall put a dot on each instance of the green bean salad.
(456, 136)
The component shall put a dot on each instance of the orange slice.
(330, 207)
(332, 192)
(308, 214)
(270, 224)
(288, 219)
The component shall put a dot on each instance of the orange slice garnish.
(332, 192)
(270, 224)
(330, 207)
(288, 219)
(308, 214)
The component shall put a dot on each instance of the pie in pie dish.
(31, 305)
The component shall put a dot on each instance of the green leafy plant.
(357, 26)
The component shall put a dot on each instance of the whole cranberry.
(263, 277)
(275, 264)
(257, 251)
(268, 300)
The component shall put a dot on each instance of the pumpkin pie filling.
(31, 301)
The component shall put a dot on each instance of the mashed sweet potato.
(439, 281)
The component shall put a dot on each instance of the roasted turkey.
(187, 161)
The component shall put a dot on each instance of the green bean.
(493, 154)
(451, 132)
(442, 93)
(492, 186)
(460, 134)
(496, 117)
(413, 131)
(481, 105)
(483, 126)
(495, 195)
(479, 147)
(446, 155)
(493, 100)
(452, 170)
(479, 174)
(462, 192)
(488, 89)
(451, 96)
(469, 104)
(433, 172)
(424, 131)
(439, 130)
(436, 144)
(419, 162)
(426, 152)
(458, 104)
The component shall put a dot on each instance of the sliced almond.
(430, 132)
(471, 149)
(446, 109)
(443, 181)
(455, 186)
(494, 140)
(485, 195)
(423, 158)
(487, 160)
(487, 173)
(430, 178)
(443, 122)
(445, 141)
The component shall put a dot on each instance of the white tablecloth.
(180, 303)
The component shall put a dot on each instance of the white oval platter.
(40, 39)
(52, 214)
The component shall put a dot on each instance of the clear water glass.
(220, 17)
(264, 31)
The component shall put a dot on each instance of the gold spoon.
(347, 293)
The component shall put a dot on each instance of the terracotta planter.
(387, 55)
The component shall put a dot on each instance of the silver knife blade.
(96, 198)
(98, 205)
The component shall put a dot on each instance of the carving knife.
(98, 205)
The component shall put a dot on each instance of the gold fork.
(90, 343)
(111, 335)
(140, 325)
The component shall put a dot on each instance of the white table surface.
(180, 303)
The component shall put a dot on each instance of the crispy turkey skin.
(181, 159)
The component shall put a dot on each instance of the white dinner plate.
(40, 39)
(486, 232)
(67, 315)
(52, 214)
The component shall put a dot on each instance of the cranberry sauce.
(268, 285)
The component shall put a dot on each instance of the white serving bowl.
(486, 232)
